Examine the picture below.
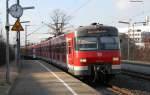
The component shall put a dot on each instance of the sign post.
(16, 11)
(7, 44)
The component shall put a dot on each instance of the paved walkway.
(4, 87)
(39, 78)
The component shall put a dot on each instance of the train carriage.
(90, 51)
(93, 51)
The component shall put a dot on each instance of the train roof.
(96, 26)
(93, 26)
(97, 30)
(81, 29)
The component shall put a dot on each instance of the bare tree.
(60, 20)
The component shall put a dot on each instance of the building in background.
(138, 33)
(146, 39)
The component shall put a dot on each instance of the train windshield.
(109, 43)
(97, 43)
(87, 43)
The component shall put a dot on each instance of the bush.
(3, 53)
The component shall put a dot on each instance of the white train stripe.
(77, 68)
(65, 84)
(116, 66)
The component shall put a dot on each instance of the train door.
(70, 54)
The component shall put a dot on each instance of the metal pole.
(18, 2)
(128, 51)
(7, 44)
(17, 61)
(128, 42)
(26, 38)
(18, 43)
(133, 40)
(129, 39)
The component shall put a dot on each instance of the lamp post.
(128, 37)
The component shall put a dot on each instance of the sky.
(83, 12)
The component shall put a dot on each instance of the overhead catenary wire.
(141, 13)
(82, 6)
(35, 30)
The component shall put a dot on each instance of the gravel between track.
(130, 84)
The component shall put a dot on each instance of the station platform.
(40, 78)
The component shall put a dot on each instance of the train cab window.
(86, 43)
(109, 43)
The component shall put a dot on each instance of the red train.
(90, 51)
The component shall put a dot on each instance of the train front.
(97, 52)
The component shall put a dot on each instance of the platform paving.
(40, 78)
(4, 86)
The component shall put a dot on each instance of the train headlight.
(83, 60)
(115, 58)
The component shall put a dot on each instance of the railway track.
(120, 91)
(127, 91)
(136, 75)
(111, 89)
(125, 84)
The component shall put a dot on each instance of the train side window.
(69, 50)
(59, 48)
(69, 47)
(64, 47)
